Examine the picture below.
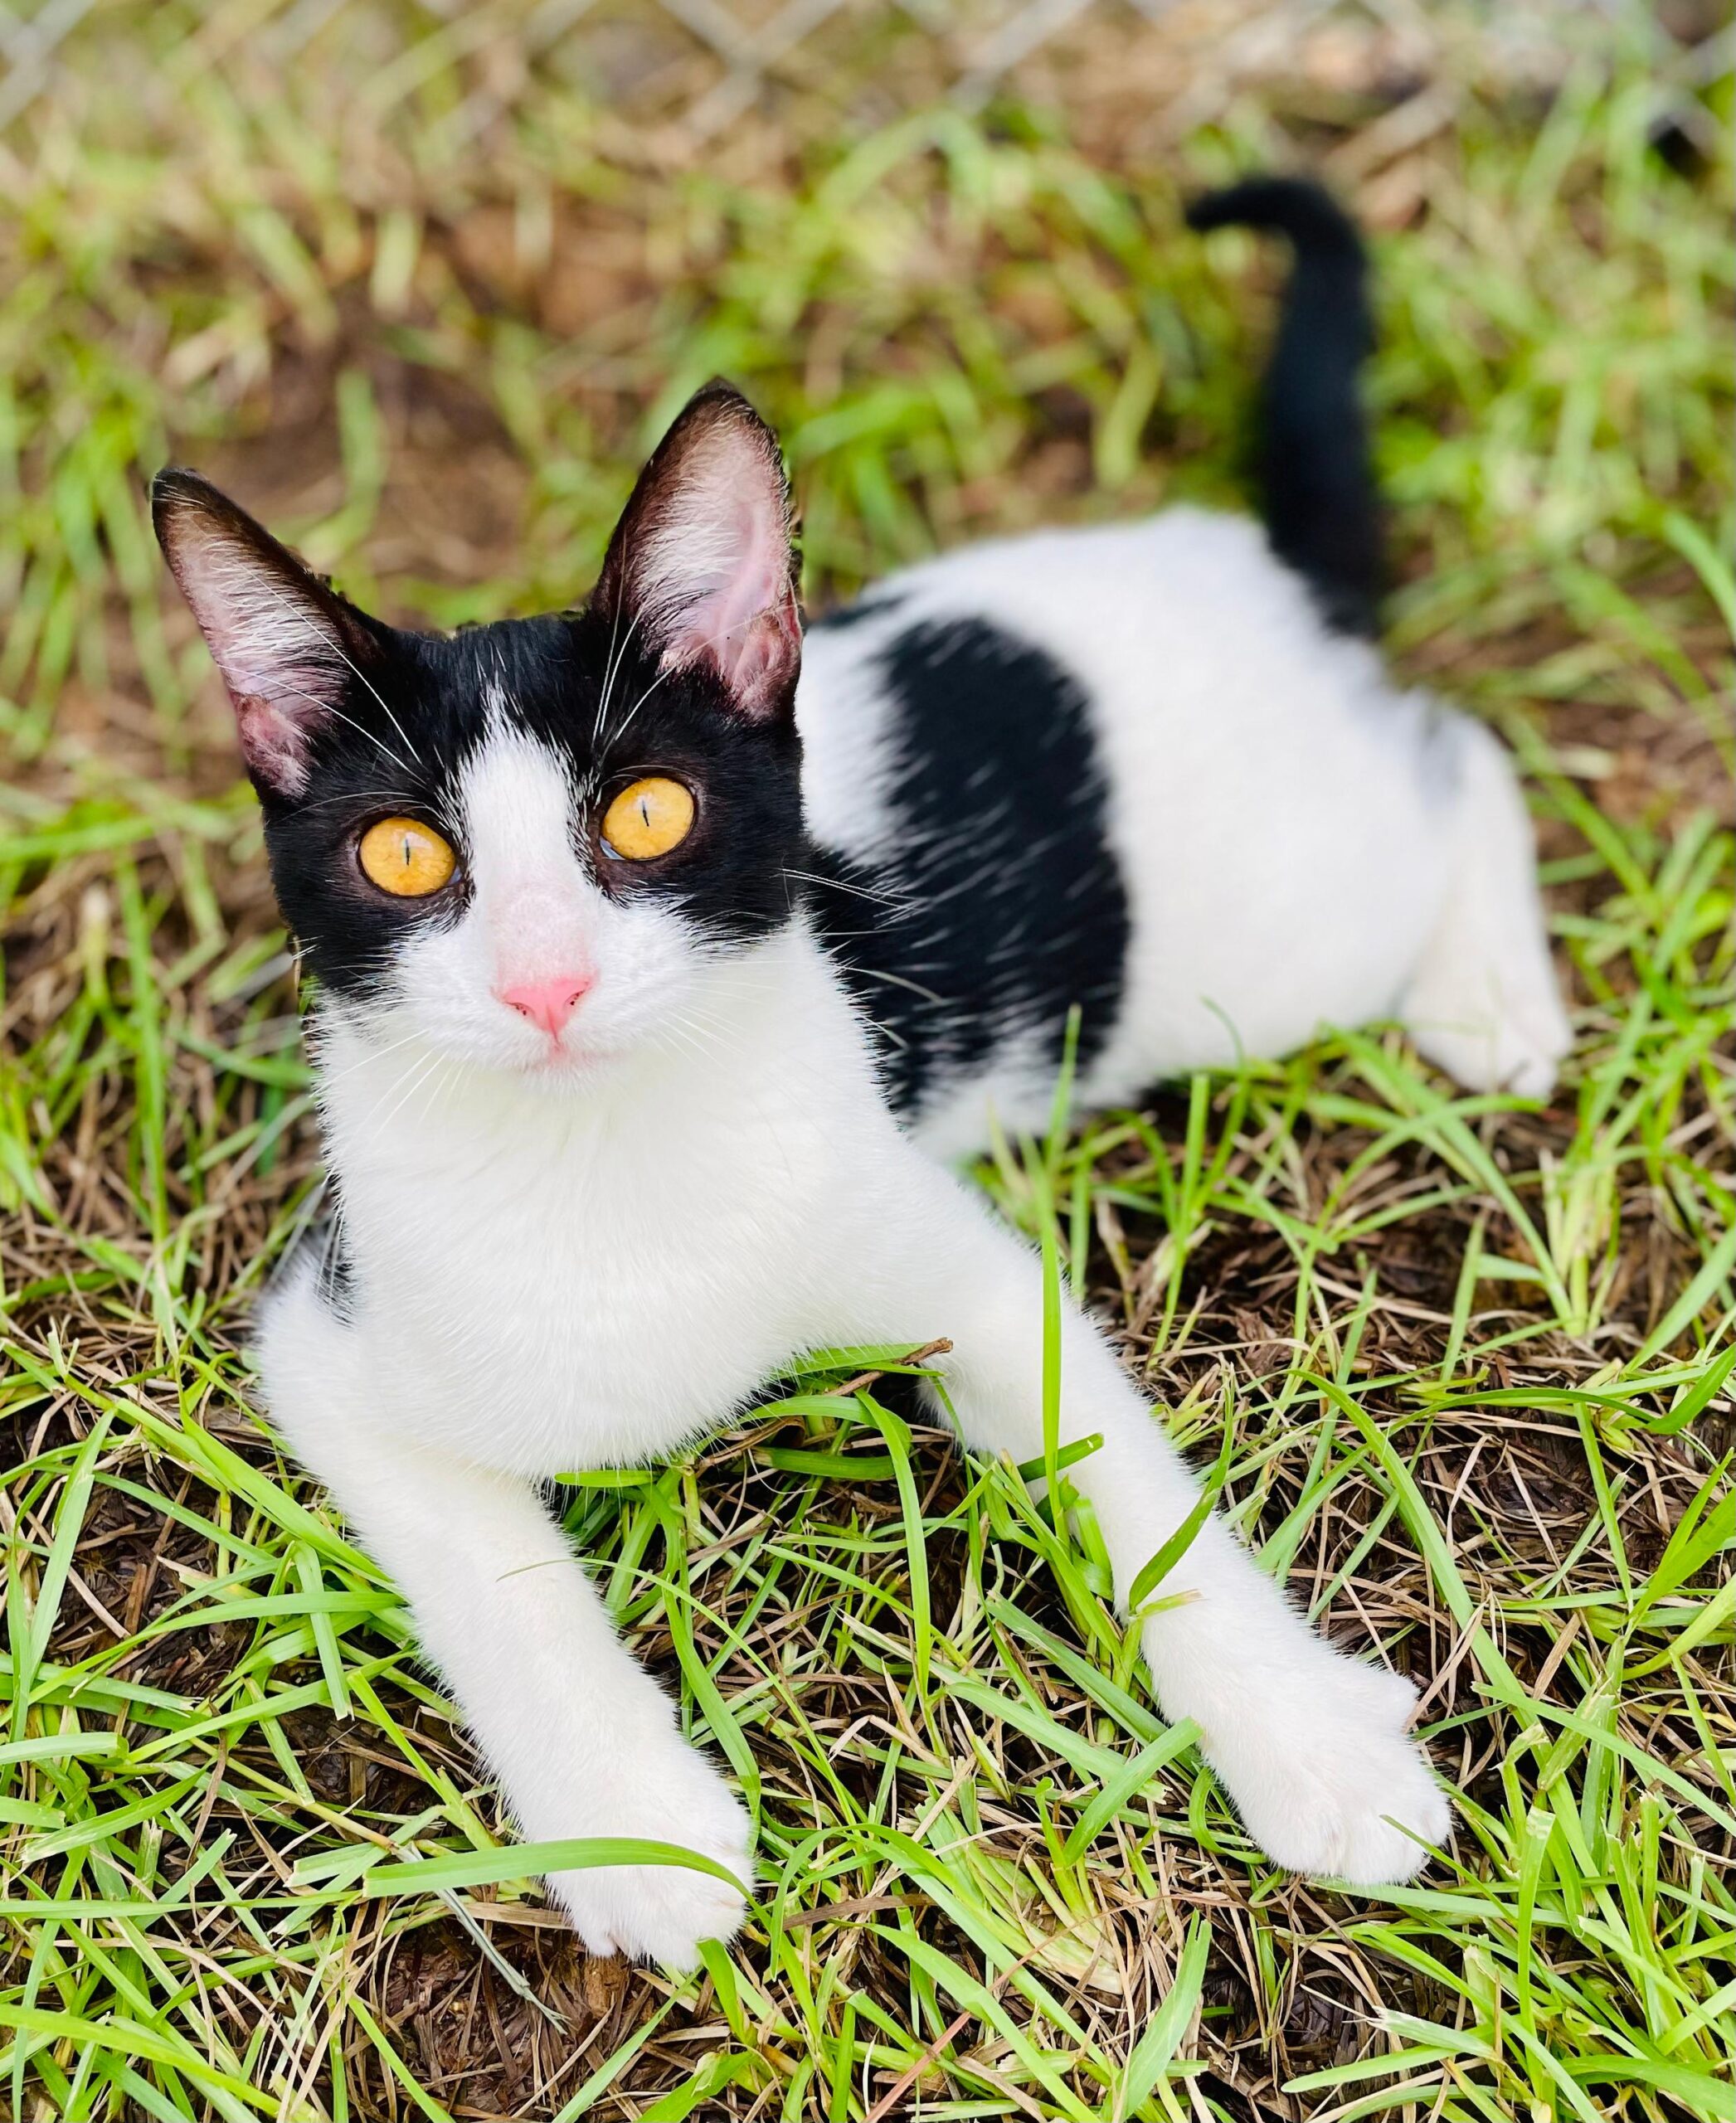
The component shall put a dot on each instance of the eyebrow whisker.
(711, 642)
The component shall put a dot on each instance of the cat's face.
(533, 846)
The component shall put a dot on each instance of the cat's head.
(528, 845)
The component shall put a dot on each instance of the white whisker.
(336, 647)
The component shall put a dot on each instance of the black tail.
(1322, 512)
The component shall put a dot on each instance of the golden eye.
(406, 857)
(648, 817)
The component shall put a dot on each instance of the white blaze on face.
(538, 908)
(536, 915)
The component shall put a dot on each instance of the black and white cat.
(652, 990)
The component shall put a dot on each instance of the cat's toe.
(1376, 1828)
(660, 1913)
(664, 1913)
(667, 1917)
(1333, 1786)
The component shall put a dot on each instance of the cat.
(659, 972)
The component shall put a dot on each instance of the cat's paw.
(1483, 1002)
(1326, 1779)
(1516, 1042)
(662, 1912)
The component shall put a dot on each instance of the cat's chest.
(579, 1300)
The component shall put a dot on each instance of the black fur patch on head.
(684, 664)
(405, 735)
(1003, 904)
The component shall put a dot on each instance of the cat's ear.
(285, 644)
(702, 568)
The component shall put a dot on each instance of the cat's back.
(1128, 768)
(1184, 619)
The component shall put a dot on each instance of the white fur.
(842, 711)
(586, 1253)
(276, 646)
(1303, 844)
(536, 913)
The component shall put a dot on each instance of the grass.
(1464, 1366)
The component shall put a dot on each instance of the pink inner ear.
(276, 734)
(722, 565)
(755, 654)
(767, 661)
(284, 675)
(276, 649)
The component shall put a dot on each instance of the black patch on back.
(1003, 904)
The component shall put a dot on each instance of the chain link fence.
(679, 75)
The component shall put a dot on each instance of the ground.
(1463, 1365)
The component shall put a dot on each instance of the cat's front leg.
(1311, 1745)
(583, 1741)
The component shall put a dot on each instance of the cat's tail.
(1321, 507)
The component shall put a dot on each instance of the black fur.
(728, 878)
(1319, 500)
(324, 1248)
(415, 707)
(1004, 904)
(872, 604)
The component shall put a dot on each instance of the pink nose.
(547, 1003)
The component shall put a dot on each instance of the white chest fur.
(605, 1270)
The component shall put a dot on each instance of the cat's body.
(608, 1123)
(1227, 829)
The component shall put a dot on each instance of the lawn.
(1464, 1366)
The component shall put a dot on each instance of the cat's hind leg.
(1483, 1003)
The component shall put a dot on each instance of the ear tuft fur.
(702, 566)
(284, 643)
